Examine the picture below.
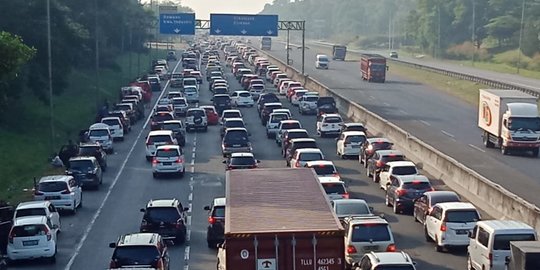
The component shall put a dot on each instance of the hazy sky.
(203, 8)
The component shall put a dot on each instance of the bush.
(465, 51)
(511, 58)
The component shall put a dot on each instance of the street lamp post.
(49, 67)
(473, 29)
(521, 34)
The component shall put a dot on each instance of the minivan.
(322, 61)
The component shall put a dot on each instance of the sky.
(203, 8)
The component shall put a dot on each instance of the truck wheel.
(535, 152)
(486, 141)
(504, 150)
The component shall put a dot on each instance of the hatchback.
(242, 98)
(32, 237)
(324, 169)
(349, 143)
(62, 191)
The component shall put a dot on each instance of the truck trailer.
(279, 219)
(373, 67)
(339, 52)
(510, 120)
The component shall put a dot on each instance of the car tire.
(182, 173)
(469, 263)
(375, 178)
(74, 210)
(155, 175)
(52, 259)
(415, 217)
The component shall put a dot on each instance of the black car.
(267, 109)
(154, 84)
(140, 249)
(353, 127)
(290, 134)
(171, 56)
(298, 144)
(86, 170)
(166, 217)
(266, 98)
(221, 102)
(94, 150)
(370, 146)
(404, 190)
(216, 222)
(231, 123)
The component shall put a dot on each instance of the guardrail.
(488, 196)
(463, 76)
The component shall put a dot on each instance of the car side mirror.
(387, 68)
(371, 209)
(55, 226)
(207, 208)
(142, 210)
(212, 99)
(112, 245)
(470, 234)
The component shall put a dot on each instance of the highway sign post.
(177, 23)
(243, 25)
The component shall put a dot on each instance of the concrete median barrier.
(485, 194)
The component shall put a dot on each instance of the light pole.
(49, 67)
(473, 29)
(521, 34)
(96, 49)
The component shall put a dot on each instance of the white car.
(63, 191)
(192, 94)
(32, 237)
(308, 103)
(449, 224)
(395, 168)
(325, 170)
(169, 159)
(278, 77)
(286, 125)
(38, 208)
(334, 189)
(322, 61)
(231, 113)
(242, 98)
(349, 143)
(385, 260)
(180, 106)
(101, 133)
(273, 123)
(256, 90)
(304, 155)
(288, 85)
(156, 138)
(116, 127)
(328, 124)
(295, 97)
(283, 110)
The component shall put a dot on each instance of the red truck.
(279, 219)
(373, 67)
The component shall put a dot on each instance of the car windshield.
(355, 139)
(172, 126)
(235, 123)
(243, 161)
(29, 230)
(162, 117)
(324, 169)
(404, 170)
(111, 122)
(81, 165)
(292, 125)
(524, 123)
(98, 133)
(334, 188)
(417, 185)
(352, 208)
(394, 267)
(167, 153)
(502, 241)
(162, 214)
(370, 233)
(135, 255)
(310, 156)
(332, 120)
(159, 139)
(462, 216)
(219, 211)
(31, 212)
(52, 186)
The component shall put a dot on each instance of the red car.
(147, 92)
(211, 114)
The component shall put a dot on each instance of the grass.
(25, 134)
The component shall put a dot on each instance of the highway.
(114, 209)
(440, 119)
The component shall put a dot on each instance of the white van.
(115, 124)
(322, 61)
(101, 133)
(490, 242)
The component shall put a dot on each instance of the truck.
(373, 67)
(339, 52)
(279, 219)
(525, 255)
(266, 43)
(509, 119)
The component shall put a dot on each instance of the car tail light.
(391, 248)
(490, 258)
(379, 163)
(10, 237)
(154, 160)
(48, 233)
(179, 223)
(351, 249)
(211, 220)
(346, 195)
(113, 264)
(401, 192)
(179, 160)
(65, 191)
(297, 164)
(443, 227)
(335, 175)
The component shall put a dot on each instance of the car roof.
(349, 201)
(390, 258)
(388, 152)
(289, 121)
(83, 158)
(195, 109)
(242, 154)
(232, 110)
(168, 146)
(400, 163)
(309, 150)
(331, 115)
(331, 180)
(378, 139)
(501, 225)
(273, 104)
(172, 122)
(319, 162)
(366, 219)
(412, 178)
(99, 126)
(437, 193)
(354, 133)
(30, 220)
(234, 119)
(219, 201)
(221, 95)
(33, 204)
(296, 130)
(162, 203)
(236, 129)
(138, 239)
(55, 178)
(456, 205)
(110, 118)
(208, 107)
(159, 132)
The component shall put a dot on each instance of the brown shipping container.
(280, 219)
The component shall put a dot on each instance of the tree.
(503, 28)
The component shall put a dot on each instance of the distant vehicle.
(322, 61)
(373, 67)
(393, 54)
(339, 52)
(266, 43)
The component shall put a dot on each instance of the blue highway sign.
(243, 25)
(177, 23)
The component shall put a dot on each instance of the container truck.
(510, 120)
(266, 43)
(279, 219)
(373, 67)
(339, 52)
(525, 255)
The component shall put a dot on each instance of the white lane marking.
(190, 197)
(425, 123)
(372, 97)
(192, 156)
(447, 134)
(402, 112)
(113, 184)
(386, 104)
(186, 254)
(186, 267)
(193, 169)
(194, 148)
(477, 148)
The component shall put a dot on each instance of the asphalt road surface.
(442, 120)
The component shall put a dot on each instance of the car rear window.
(355, 139)
(135, 255)
(81, 165)
(243, 161)
(31, 212)
(232, 115)
(290, 125)
(297, 135)
(300, 145)
(219, 211)
(190, 90)
(269, 99)
(334, 188)
(172, 126)
(352, 208)
(98, 133)
(235, 137)
(310, 156)
(29, 230)
(162, 117)
(311, 98)
(52, 186)
(461, 216)
(88, 150)
(333, 120)
(444, 198)
(370, 233)
(235, 123)
(258, 86)
(159, 139)
(165, 214)
(502, 241)
(381, 145)
(279, 117)
(167, 153)
(355, 128)
(391, 158)
(417, 185)
(111, 122)
(404, 170)
(272, 107)
(324, 169)
(244, 94)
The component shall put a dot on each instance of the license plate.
(30, 243)
(371, 248)
(236, 145)
(52, 197)
(355, 146)
(462, 231)
(167, 163)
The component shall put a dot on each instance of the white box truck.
(509, 119)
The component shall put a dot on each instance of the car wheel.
(438, 247)
(426, 235)
(52, 259)
(74, 210)
(182, 173)
(155, 175)
(415, 217)
(368, 172)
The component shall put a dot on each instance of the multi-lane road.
(442, 120)
(128, 185)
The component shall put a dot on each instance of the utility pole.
(49, 67)
(521, 34)
(97, 54)
(473, 29)
(288, 47)
(389, 31)
(439, 31)
(303, 45)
